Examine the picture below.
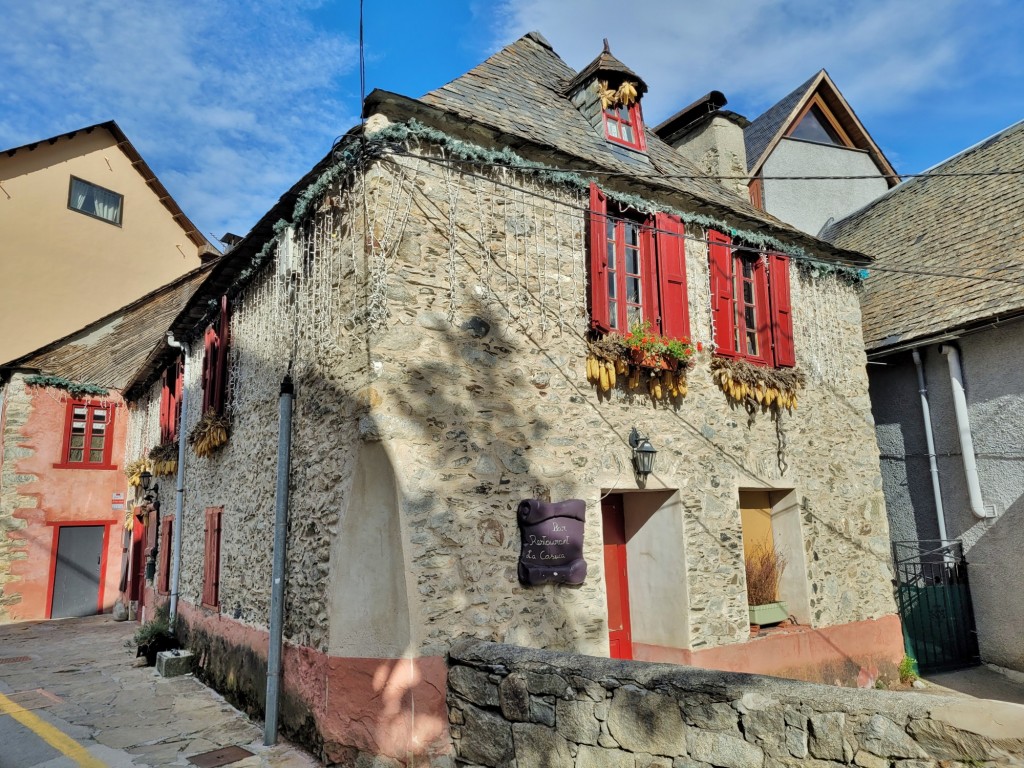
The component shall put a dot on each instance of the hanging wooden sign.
(552, 542)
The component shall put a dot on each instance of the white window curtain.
(88, 198)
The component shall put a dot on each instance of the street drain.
(222, 756)
(15, 659)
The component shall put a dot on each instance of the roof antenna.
(607, 48)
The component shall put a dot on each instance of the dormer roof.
(606, 67)
(766, 131)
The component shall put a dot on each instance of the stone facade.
(439, 358)
(511, 706)
(15, 407)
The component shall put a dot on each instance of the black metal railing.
(934, 598)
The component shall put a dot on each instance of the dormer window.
(624, 125)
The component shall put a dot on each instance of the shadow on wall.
(993, 563)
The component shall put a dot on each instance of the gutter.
(179, 483)
(926, 416)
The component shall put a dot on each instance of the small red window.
(750, 304)
(637, 271)
(624, 125)
(170, 402)
(88, 436)
(211, 558)
(215, 360)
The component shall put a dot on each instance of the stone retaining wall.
(512, 706)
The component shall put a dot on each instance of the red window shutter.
(164, 572)
(782, 311)
(599, 318)
(179, 388)
(211, 557)
(722, 310)
(165, 403)
(675, 315)
(209, 367)
(649, 276)
(223, 331)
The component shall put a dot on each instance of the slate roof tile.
(759, 134)
(967, 226)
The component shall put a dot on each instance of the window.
(637, 270)
(170, 401)
(750, 303)
(211, 558)
(624, 125)
(215, 358)
(164, 547)
(87, 436)
(94, 200)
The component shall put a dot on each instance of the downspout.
(963, 424)
(284, 447)
(179, 483)
(926, 414)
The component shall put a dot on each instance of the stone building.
(64, 546)
(449, 292)
(942, 329)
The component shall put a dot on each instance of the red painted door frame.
(57, 525)
(616, 576)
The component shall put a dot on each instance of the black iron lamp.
(643, 454)
(146, 479)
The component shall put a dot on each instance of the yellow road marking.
(59, 741)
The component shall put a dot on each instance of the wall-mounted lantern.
(643, 454)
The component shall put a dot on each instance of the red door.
(620, 639)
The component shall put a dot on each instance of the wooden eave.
(824, 93)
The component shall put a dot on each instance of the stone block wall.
(15, 409)
(511, 706)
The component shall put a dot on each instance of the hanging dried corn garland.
(133, 471)
(616, 357)
(623, 96)
(209, 434)
(755, 387)
(163, 458)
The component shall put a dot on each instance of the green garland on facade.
(73, 388)
(358, 149)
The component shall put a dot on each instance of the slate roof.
(759, 134)
(107, 352)
(604, 63)
(957, 226)
(519, 91)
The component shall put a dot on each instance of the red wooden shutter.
(165, 397)
(722, 309)
(675, 315)
(599, 318)
(165, 543)
(223, 332)
(782, 310)
(179, 389)
(209, 367)
(649, 277)
(211, 558)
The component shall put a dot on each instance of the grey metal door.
(76, 579)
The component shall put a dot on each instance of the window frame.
(215, 357)
(172, 382)
(662, 259)
(770, 291)
(90, 214)
(108, 440)
(211, 558)
(635, 123)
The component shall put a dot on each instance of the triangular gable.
(764, 134)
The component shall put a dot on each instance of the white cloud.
(883, 54)
(229, 103)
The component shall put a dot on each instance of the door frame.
(57, 525)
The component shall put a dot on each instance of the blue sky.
(231, 102)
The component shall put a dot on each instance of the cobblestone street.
(69, 696)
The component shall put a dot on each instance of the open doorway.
(771, 530)
(645, 573)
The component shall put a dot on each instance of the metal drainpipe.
(284, 447)
(179, 489)
(926, 413)
(963, 424)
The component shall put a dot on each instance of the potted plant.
(154, 636)
(764, 565)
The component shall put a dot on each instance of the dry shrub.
(765, 565)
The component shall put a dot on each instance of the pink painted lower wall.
(337, 706)
(857, 653)
(54, 496)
